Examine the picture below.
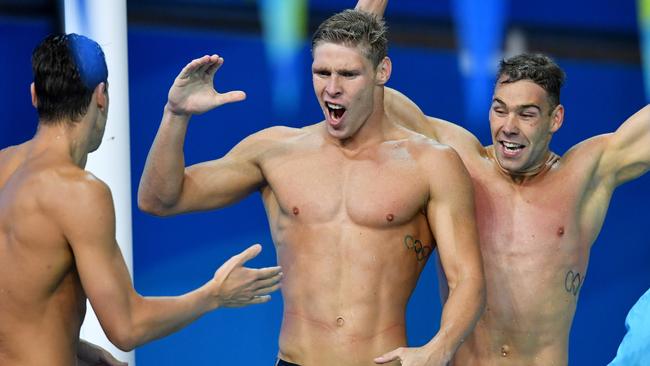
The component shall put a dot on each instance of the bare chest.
(531, 226)
(323, 188)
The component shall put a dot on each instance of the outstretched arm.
(167, 186)
(404, 111)
(451, 216)
(627, 151)
(129, 320)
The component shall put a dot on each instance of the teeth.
(510, 145)
(334, 106)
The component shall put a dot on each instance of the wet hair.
(67, 68)
(538, 68)
(355, 28)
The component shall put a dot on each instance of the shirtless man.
(57, 230)
(355, 203)
(538, 213)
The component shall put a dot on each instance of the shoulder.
(72, 192)
(429, 151)
(439, 162)
(282, 132)
(588, 151)
(270, 136)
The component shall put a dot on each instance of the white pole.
(105, 22)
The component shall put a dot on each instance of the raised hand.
(193, 90)
(235, 285)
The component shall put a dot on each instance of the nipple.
(560, 231)
(340, 321)
(296, 211)
(390, 217)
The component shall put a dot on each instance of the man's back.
(42, 303)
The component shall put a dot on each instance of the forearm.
(460, 313)
(376, 7)
(157, 317)
(161, 184)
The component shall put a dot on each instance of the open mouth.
(336, 111)
(511, 147)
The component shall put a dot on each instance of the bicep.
(220, 182)
(451, 215)
(404, 111)
(627, 150)
(89, 227)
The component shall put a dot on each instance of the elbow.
(123, 338)
(151, 205)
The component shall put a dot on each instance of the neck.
(536, 170)
(63, 138)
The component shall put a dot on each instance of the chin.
(338, 134)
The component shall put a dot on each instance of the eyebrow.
(519, 107)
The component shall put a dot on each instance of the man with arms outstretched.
(57, 230)
(538, 213)
(351, 236)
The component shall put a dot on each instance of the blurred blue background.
(596, 42)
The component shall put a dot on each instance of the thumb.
(248, 254)
(237, 261)
(388, 357)
(231, 97)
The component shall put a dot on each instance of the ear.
(557, 117)
(32, 91)
(384, 70)
(101, 96)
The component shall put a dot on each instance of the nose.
(510, 125)
(333, 87)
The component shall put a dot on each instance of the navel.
(560, 231)
(340, 321)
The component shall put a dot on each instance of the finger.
(248, 254)
(231, 97)
(269, 282)
(268, 272)
(259, 299)
(215, 66)
(388, 357)
(266, 290)
(190, 68)
(205, 63)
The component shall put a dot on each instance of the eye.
(348, 74)
(498, 110)
(322, 73)
(528, 115)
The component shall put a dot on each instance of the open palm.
(193, 90)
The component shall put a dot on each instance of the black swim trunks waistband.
(281, 362)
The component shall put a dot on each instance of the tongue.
(338, 113)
